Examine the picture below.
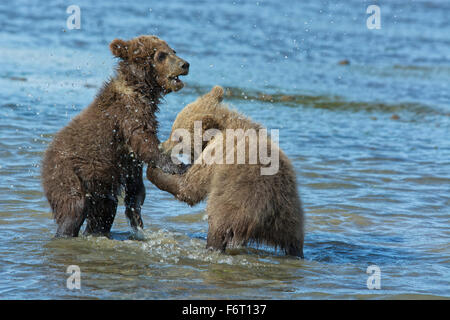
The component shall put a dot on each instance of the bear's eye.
(162, 56)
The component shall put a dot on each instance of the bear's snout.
(185, 67)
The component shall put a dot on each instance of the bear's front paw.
(152, 173)
(173, 168)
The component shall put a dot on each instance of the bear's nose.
(185, 66)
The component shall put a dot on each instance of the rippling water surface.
(369, 141)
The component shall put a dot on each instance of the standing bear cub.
(103, 148)
(252, 194)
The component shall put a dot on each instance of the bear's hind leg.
(69, 217)
(294, 250)
(66, 197)
(100, 215)
(216, 241)
(219, 235)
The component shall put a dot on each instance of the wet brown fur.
(103, 148)
(243, 206)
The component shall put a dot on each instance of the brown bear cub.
(245, 203)
(103, 148)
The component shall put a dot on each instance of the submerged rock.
(23, 79)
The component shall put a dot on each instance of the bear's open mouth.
(175, 79)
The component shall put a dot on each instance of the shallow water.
(375, 187)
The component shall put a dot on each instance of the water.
(369, 141)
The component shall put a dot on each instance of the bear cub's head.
(149, 58)
(196, 118)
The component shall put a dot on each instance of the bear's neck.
(235, 120)
(142, 83)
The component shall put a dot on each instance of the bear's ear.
(213, 97)
(217, 93)
(119, 48)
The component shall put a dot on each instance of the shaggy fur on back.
(103, 148)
